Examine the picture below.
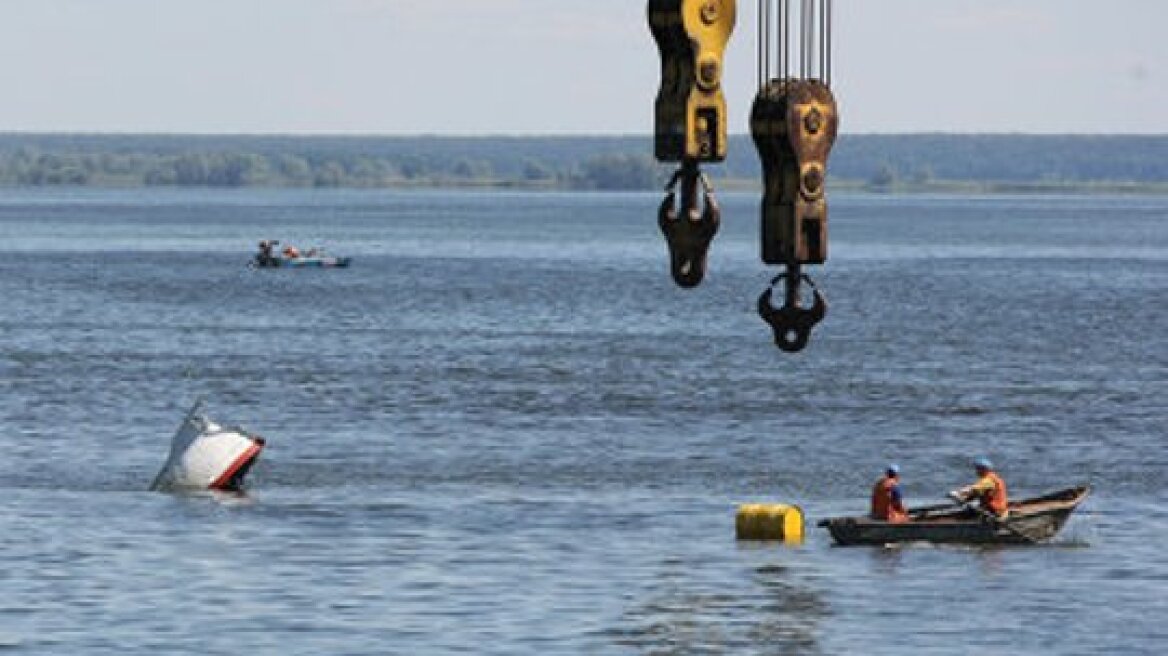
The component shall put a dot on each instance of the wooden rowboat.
(1029, 521)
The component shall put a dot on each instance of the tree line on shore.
(879, 162)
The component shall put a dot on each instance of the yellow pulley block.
(691, 107)
(770, 521)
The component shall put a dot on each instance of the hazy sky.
(557, 66)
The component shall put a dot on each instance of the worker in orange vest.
(887, 500)
(989, 490)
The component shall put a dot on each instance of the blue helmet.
(893, 469)
(983, 463)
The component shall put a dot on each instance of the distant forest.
(876, 162)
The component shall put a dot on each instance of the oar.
(925, 510)
(992, 518)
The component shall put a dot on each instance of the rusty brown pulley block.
(794, 123)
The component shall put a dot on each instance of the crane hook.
(690, 228)
(792, 323)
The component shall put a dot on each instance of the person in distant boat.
(989, 490)
(887, 499)
(266, 256)
(291, 251)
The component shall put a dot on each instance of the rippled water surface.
(504, 431)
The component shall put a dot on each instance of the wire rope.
(786, 47)
(780, 45)
(827, 48)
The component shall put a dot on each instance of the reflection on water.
(887, 560)
(790, 621)
(771, 612)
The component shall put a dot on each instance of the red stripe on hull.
(247, 456)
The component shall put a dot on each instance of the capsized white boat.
(207, 456)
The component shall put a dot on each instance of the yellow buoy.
(770, 521)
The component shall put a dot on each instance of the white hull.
(207, 456)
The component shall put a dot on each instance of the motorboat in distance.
(301, 262)
(291, 257)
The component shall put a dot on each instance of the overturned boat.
(207, 456)
(1029, 521)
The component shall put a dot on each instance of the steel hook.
(792, 323)
(690, 228)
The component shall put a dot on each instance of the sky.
(493, 67)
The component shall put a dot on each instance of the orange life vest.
(994, 499)
(883, 505)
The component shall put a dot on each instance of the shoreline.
(735, 185)
(904, 164)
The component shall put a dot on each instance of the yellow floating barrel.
(770, 521)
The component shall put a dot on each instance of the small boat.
(207, 456)
(291, 257)
(315, 261)
(1029, 521)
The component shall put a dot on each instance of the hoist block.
(794, 125)
(691, 107)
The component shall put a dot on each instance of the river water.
(504, 430)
